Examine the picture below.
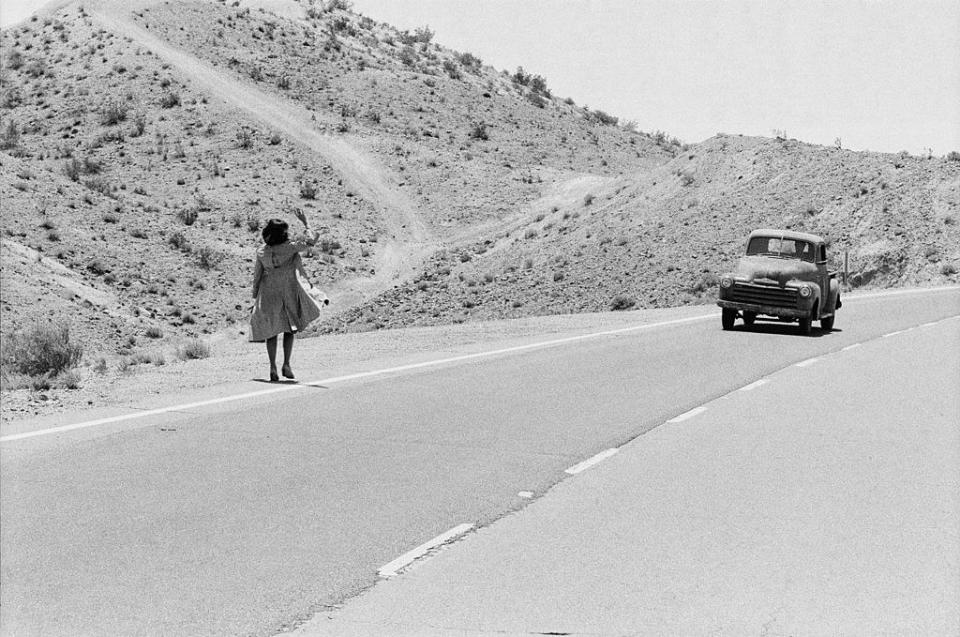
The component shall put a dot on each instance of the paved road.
(834, 510)
(253, 518)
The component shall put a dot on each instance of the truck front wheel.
(826, 323)
(727, 318)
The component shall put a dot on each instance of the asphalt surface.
(252, 518)
(822, 500)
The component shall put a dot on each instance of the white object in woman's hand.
(301, 216)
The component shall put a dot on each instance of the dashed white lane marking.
(589, 462)
(850, 347)
(348, 377)
(889, 334)
(690, 414)
(754, 385)
(394, 567)
(930, 324)
(808, 362)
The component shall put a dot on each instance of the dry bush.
(40, 350)
(193, 349)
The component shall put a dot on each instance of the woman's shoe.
(273, 376)
(286, 371)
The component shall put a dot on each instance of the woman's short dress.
(282, 304)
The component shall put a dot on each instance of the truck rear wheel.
(727, 318)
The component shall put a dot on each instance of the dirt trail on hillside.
(408, 237)
(409, 241)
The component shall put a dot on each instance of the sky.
(876, 75)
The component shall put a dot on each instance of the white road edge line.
(808, 362)
(696, 411)
(347, 377)
(889, 334)
(394, 567)
(754, 385)
(850, 347)
(589, 462)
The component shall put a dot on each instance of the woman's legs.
(287, 352)
(272, 355)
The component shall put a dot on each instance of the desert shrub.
(154, 332)
(208, 258)
(408, 56)
(99, 185)
(452, 69)
(538, 85)
(588, 199)
(308, 190)
(187, 215)
(10, 137)
(91, 166)
(69, 379)
(253, 223)
(138, 233)
(603, 118)
(328, 246)
(14, 59)
(139, 124)
(686, 178)
(536, 99)
(622, 302)
(169, 100)
(953, 155)
(948, 269)
(113, 113)
(40, 350)
(179, 241)
(10, 97)
(469, 61)
(479, 131)
(244, 137)
(35, 68)
(193, 349)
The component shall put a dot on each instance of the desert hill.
(144, 144)
(661, 237)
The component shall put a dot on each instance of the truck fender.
(833, 303)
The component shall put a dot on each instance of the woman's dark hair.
(275, 232)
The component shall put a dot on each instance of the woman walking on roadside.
(281, 305)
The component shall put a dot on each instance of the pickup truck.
(783, 274)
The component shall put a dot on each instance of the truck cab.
(782, 275)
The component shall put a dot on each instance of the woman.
(281, 304)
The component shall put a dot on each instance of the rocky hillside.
(143, 145)
(662, 237)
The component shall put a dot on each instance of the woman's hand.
(301, 216)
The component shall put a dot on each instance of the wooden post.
(846, 266)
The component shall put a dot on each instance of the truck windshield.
(783, 248)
